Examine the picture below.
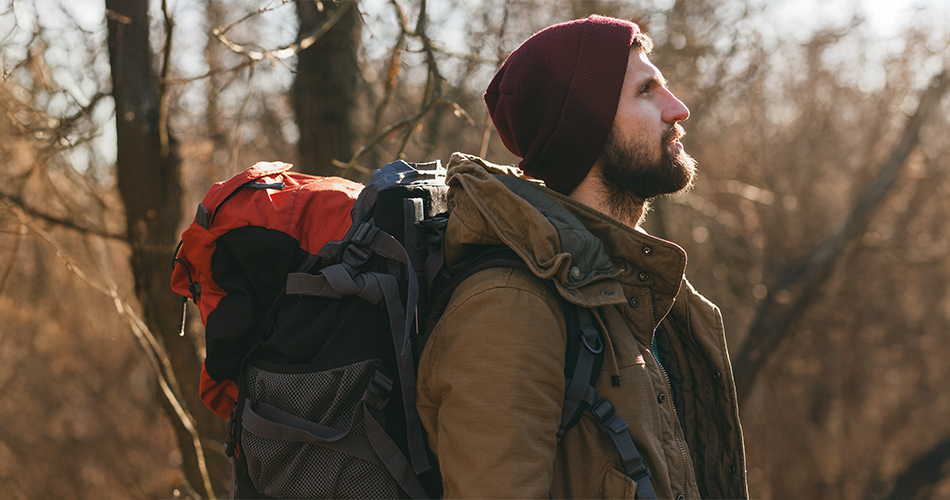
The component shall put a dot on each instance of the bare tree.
(774, 322)
(324, 91)
(148, 173)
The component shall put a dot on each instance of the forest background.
(818, 223)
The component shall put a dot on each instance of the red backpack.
(249, 232)
(318, 303)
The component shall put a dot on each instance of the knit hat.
(554, 99)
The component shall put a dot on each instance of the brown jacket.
(491, 379)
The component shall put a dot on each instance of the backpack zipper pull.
(184, 307)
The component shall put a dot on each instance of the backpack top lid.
(397, 173)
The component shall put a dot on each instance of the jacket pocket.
(617, 485)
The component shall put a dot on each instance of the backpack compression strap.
(346, 278)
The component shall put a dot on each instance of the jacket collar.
(588, 255)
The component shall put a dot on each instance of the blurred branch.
(236, 141)
(14, 201)
(267, 8)
(799, 284)
(21, 232)
(154, 351)
(290, 50)
(431, 96)
(500, 59)
(434, 80)
(922, 473)
(210, 73)
(163, 86)
(395, 61)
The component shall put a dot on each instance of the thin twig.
(163, 87)
(237, 130)
(266, 8)
(433, 82)
(500, 59)
(154, 351)
(181, 80)
(392, 74)
(289, 50)
(14, 201)
(21, 232)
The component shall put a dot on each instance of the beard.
(633, 173)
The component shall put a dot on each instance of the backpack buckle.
(355, 256)
(363, 233)
(378, 390)
(231, 443)
(589, 336)
(602, 410)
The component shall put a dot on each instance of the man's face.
(643, 157)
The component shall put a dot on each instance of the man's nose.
(675, 110)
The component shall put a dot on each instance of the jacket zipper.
(669, 389)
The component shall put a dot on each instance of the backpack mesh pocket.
(286, 469)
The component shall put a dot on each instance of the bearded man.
(591, 117)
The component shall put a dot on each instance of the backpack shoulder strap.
(584, 358)
(580, 395)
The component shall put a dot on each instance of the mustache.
(674, 133)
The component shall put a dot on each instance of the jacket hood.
(588, 255)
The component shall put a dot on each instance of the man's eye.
(646, 89)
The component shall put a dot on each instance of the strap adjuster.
(378, 390)
(364, 233)
(639, 471)
(589, 336)
(602, 410)
(355, 256)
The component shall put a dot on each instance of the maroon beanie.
(554, 99)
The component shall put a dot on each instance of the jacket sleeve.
(491, 387)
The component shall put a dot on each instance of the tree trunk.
(324, 92)
(149, 183)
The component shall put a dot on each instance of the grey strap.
(616, 429)
(385, 245)
(407, 373)
(577, 385)
(336, 281)
(392, 458)
(267, 421)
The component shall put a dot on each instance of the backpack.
(315, 321)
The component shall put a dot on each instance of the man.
(588, 113)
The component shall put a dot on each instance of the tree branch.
(922, 472)
(163, 86)
(773, 321)
(289, 50)
(154, 351)
(36, 214)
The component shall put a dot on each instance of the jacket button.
(634, 302)
(575, 272)
(717, 374)
(647, 250)
(679, 497)
(732, 470)
(661, 398)
(644, 276)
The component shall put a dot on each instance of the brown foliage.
(789, 137)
